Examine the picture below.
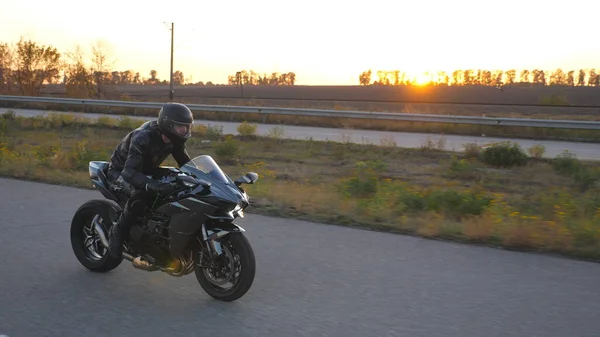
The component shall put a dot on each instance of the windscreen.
(205, 167)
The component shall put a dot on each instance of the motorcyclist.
(139, 153)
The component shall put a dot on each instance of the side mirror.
(248, 178)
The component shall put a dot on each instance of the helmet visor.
(182, 129)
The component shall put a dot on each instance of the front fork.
(209, 240)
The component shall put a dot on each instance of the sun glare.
(422, 79)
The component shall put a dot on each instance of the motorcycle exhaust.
(178, 270)
(138, 263)
(127, 257)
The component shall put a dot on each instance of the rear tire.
(243, 250)
(86, 242)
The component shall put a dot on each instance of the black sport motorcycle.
(188, 230)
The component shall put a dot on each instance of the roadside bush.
(504, 154)
(537, 151)
(106, 121)
(456, 204)
(77, 157)
(462, 169)
(472, 150)
(246, 129)
(214, 132)
(567, 164)
(405, 198)
(129, 123)
(364, 182)
(227, 149)
(276, 132)
(199, 130)
(10, 115)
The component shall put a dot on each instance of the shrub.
(452, 203)
(431, 144)
(200, 130)
(276, 132)
(504, 154)
(9, 114)
(456, 204)
(246, 129)
(364, 182)
(226, 150)
(462, 169)
(567, 163)
(106, 121)
(129, 123)
(472, 150)
(76, 158)
(537, 151)
(214, 132)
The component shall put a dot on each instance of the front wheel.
(231, 275)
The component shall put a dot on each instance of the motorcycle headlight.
(238, 210)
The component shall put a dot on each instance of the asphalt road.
(312, 280)
(403, 139)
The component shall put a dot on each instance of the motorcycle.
(189, 230)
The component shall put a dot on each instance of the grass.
(501, 195)
(374, 124)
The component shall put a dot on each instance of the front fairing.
(222, 191)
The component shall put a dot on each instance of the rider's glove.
(159, 187)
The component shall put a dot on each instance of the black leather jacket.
(141, 151)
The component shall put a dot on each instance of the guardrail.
(497, 121)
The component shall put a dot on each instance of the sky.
(324, 42)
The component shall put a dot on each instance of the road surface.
(312, 280)
(586, 151)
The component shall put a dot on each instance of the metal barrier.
(432, 118)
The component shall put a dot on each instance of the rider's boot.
(116, 238)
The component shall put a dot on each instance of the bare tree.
(102, 63)
(6, 68)
(80, 81)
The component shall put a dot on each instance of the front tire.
(86, 242)
(239, 266)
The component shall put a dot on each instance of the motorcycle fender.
(226, 227)
(213, 231)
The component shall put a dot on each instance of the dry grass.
(541, 205)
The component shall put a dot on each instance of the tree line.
(25, 67)
(582, 77)
(253, 78)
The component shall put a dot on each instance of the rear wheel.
(89, 227)
(232, 274)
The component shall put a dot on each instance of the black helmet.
(171, 115)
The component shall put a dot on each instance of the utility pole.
(171, 91)
(240, 81)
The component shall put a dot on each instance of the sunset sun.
(422, 79)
